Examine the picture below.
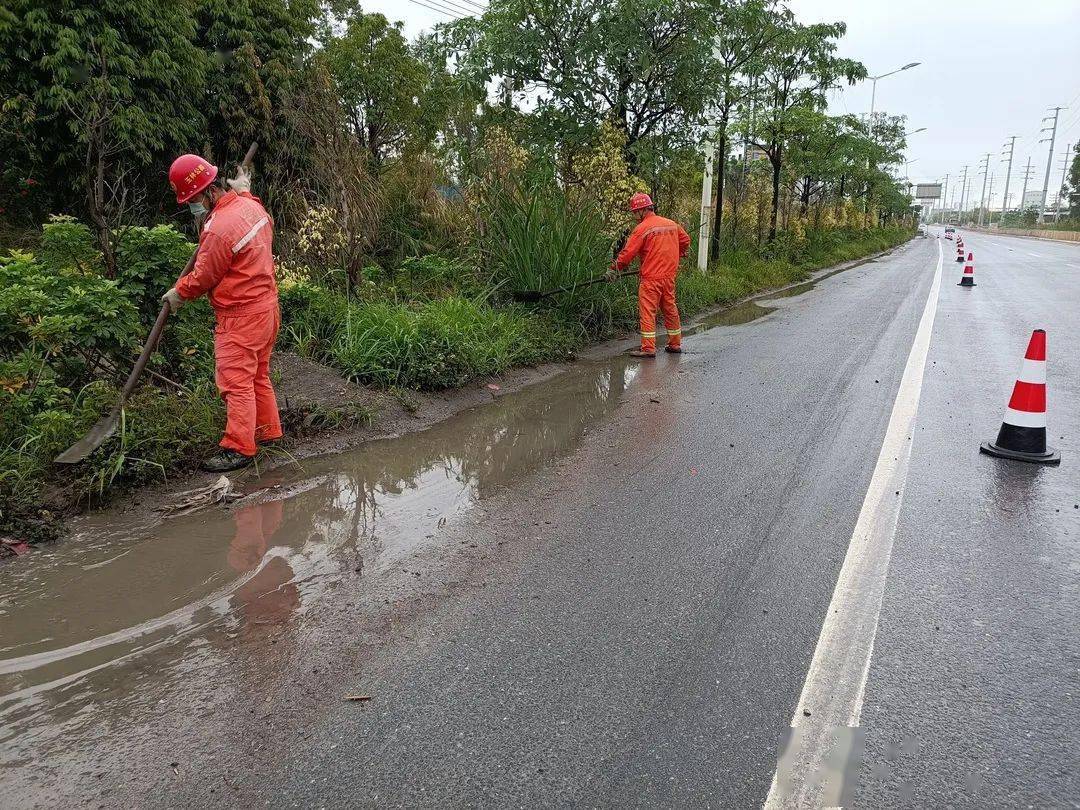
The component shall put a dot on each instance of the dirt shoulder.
(325, 413)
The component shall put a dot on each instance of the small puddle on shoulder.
(754, 309)
(732, 316)
(119, 593)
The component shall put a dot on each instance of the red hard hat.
(640, 201)
(190, 174)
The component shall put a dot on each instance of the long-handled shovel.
(106, 426)
(532, 296)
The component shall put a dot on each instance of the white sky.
(990, 69)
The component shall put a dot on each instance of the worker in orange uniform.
(661, 243)
(235, 266)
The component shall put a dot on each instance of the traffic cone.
(1023, 430)
(968, 279)
(959, 253)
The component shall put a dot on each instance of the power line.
(445, 12)
(457, 6)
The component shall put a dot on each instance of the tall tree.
(800, 66)
(380, 81)
(642, 64)
(744, 29)
(98, 91)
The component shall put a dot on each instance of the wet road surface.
(604, 590)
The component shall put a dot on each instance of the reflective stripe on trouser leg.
(648, 299)
(671, 313)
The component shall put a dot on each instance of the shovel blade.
(96, 437)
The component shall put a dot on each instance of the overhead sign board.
(1032, 199)
(928, 191)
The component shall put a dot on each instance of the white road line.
(832, 695)
(1036, 255)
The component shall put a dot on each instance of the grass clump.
(441, 343)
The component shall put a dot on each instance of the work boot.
(673, 349)
(226, 461)
(640, 353)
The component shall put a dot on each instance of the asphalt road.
(636, 621)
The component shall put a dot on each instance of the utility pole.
(706, 206)
(963, 192)
(1027, 178)
(990, 203)
(985, 166)
(1049, 157)
(1008, 175)
(945, 201)
(1064, 173)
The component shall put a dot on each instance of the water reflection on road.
(96, 630)
(122, 611)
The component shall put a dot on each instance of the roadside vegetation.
(417, 188)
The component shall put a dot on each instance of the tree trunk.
(805, 201)
(718, 216)
(775, 161)
(95, 201)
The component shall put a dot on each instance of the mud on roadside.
(324, 413)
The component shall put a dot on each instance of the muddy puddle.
(124, 607)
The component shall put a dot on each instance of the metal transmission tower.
(1027, 179)
(1008, 173)
(1064, 174)
(963, 191)
(945, 201)
(1049, 156)
(985, 167)
(990, 202)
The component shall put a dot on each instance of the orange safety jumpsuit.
(661, 243)
(236, 266)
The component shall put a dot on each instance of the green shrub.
(536, 238)
(75, 321)
(149, 261)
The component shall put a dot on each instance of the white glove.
(242, 181)
(173, 299)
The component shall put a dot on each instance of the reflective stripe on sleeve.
(247, 237)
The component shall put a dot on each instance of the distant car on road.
(950, 229)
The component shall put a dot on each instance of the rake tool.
(532, 296)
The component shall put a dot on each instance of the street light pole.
(874, 81)
(873, 107)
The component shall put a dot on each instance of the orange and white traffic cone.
(959, 253)
(1023, 430)
(968, 279)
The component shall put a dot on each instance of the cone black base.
(960, 258)
(1051, 456)
(965, 283)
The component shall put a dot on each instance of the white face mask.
(197, 209)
